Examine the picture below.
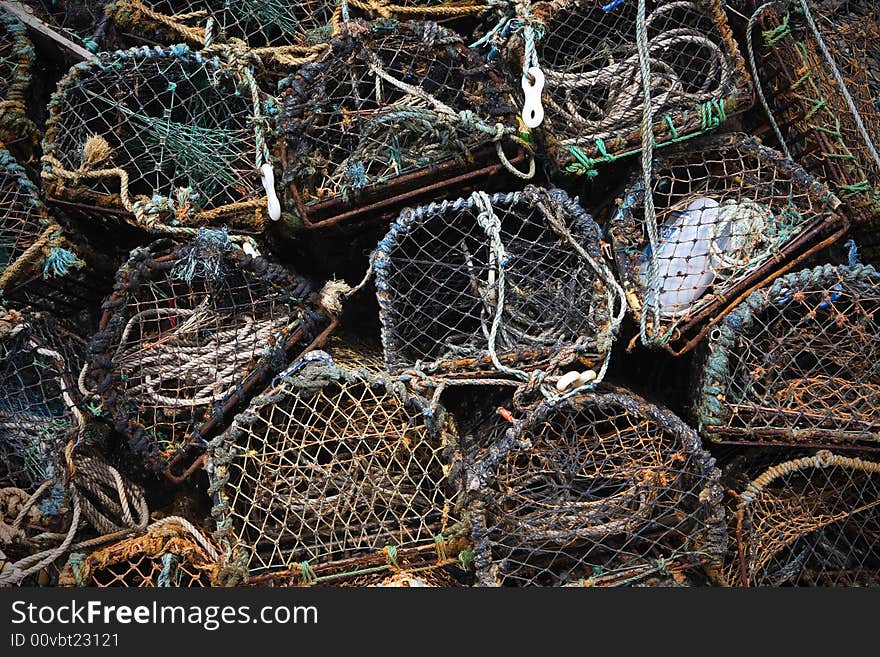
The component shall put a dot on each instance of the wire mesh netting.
(190, 332)
(807, 521)
(167, 138)
(797, 363)
(16, 58)
(82, 21)
(831, 126)
(391, 108)
(332, 466)
(731, 214)
(169, 554)
(39, 362)
(516, 278)
(599, 488)
(592, 91)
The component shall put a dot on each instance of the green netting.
(730, 214)
(16, 58)
(797, 363)
(169, 139)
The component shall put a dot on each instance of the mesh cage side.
(602, 489)
(168, 136)
(331, 465)
(82, 21)
(809, 521)
(437, 282)
(191, 331)
(164, 556)
(796, 363)
(730, 213)
(16, 58)
(592, 94)
(388, 100)
(39, 363)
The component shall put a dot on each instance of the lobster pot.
(191, 331)
(166, 555)
(165, 139)
(796, 363)
(428, 566)
(600, 488)
(82, 21)
(731, 214)
(592, 95)
(808, 521)
(392, 112)
(816, 121)
(39, 363)
(16, 58)
(527, 262)
(330, 466)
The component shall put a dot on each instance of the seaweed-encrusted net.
(331, 468)
(809, 521)
(730, 213)
(797, 363)
(168, 554)
(16, 57)
(464, 285)
(169, 138)
(39, 362)
(389, 99)
(601, 487)
(593, 98)
(814, 118)
(191, 331)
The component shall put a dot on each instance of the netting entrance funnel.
(588, 60)
(16, 58)
(813, 115)
(516, 278)
(332, 472)
(731, 215)
(392, 112)
(169, 140)
(797, 363)
(600, 488)
(808, 521)
(190, 332)
(39, 363)
(169, 554)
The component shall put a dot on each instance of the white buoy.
(267, 175)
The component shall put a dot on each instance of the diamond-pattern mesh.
(39, 363)
(330, 465)
(191, 331)
(388, 100)
(729, 212)
(808, 521)
(592, 94)
(600, 489)
(168, 135)
(797, 363)
(438, 273)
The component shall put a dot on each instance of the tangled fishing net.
(390, 108)
(169, 139)
(818, 69)
(191, 331)
(797, 363)
(334, 472)
(32, 246)
(585, 55)
(16, 58)
(171, 553)
(39, 363)
(599, 488)
(808, 521)
(494, 283)
(730, 214)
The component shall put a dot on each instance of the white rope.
(757, 78)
